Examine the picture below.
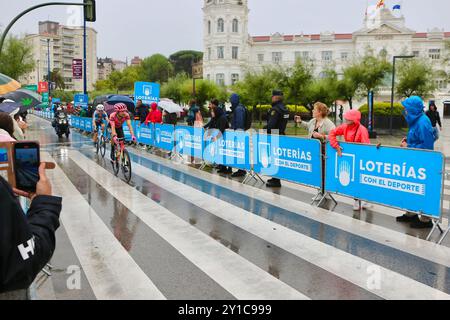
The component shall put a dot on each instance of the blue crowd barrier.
(164, 136)
(144, 133)
(230, 149)
(189, 141)
(405, 179)
(288, 158)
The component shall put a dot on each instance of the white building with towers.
(229, 50)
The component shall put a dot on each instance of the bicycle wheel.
(115, 162)
(126, 166)
(102, 146)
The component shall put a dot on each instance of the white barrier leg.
(436, 225)
(444, 236)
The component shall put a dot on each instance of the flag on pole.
(397, 7)
(381, 4)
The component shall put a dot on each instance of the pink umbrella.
(108, 108)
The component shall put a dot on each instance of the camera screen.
(27, 168)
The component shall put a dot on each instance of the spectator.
(435, 118)
(219, 121)
(420, 136)
(353, 131)
(141, 111)
(154, 116)
(19, 232)
(277, 120)
(320, 126)
(170, 118)
(238, 122)
(193, 109)
(21, 122)
(6, 128)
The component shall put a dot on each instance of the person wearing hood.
(219, 121)
(354, 132)
(420, 136)
(27, 241)
(238, 122)
(277, 121)
(155, 115)
(435, 118)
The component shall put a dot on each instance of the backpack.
(248, 119)
(190, 117)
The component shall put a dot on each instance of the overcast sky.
(142, 27)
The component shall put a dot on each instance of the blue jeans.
(436, 133)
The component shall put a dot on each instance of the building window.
(303, 55)
(416, 54)
(434, 54)
(344, 56)
(277, 57)
(261, 57)
(220, 52)
(209, 53)
(220, 79)
(441, 84)
(234, 78)
(235, 26)
(209, 27)
(235, 53)
(327, 56)
(220, 25)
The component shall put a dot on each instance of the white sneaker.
(356, 206)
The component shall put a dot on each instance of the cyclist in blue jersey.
(99, 118)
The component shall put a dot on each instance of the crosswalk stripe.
(394, 239)
(235, 274)
(112, 273)
(342, 264)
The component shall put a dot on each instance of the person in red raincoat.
(154, 116)
(352, 131)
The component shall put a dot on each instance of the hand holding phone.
(43, 187)
(26, 157)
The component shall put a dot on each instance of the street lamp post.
(393, 90)
(48, 66)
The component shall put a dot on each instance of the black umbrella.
(25, 97)
(9, 107)
(101, 99)
(122, 99)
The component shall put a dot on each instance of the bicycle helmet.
(120, 107)
(100, 107)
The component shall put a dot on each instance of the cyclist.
(99, 118)
(117, 119)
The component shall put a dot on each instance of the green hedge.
(291, 108)
(383, 109)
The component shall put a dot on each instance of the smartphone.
(26, 165)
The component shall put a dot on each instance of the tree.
(173, 89)
(348, 86)
(323, 89)
(156, 68)
(415, 77)
(57, 78)
(182, 61)
(295, 82)
(369, 72)
(16, 58)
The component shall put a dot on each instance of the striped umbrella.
(7, 84)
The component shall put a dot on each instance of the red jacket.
(352, 133)
(154, 116)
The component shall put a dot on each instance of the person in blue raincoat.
(420, 136)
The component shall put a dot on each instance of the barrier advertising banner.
(189, 141)
(230, 149)
(406, 179)
(287, 158)
(144, 133)
(164, 136)
(148, 92)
